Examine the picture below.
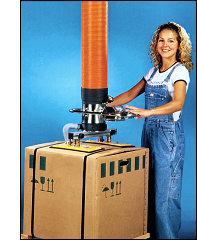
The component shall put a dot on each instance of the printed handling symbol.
(112, 187)
(105, 190)
(36, 181)
(52, 181)
(118, 189)
(42, 180)
(118, 193)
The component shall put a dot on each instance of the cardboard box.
(85, 195)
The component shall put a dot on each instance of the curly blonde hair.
(183, 54)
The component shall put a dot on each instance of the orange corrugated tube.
(94, 44)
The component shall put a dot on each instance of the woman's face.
(167, 44)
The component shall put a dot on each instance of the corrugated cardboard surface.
(86, 195)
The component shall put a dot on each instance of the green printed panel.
(103, 170)
(31, 161)
(111, 170)
(42, 163)
(143, 164)
(129, 165)
(120, 168)
(136, 163)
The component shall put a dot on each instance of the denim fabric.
(165, 140)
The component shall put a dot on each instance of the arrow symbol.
(118, 184)
(116, 188)
(52, 184)
(52, 181)
(120, 187)
(48, 184)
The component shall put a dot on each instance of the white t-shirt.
(179, 73)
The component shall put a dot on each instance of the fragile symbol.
(112, 187)
(42, 180)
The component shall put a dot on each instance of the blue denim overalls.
(165, 139)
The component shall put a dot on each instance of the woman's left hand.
(141, 113)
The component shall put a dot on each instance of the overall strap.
(152, 75)
(169, 75)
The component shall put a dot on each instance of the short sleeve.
(180, 73)
(148, 74)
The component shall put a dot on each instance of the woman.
(165, 86)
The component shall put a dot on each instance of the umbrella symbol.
(105, 190)
(36, 181)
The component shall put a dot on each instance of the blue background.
(51, 75)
